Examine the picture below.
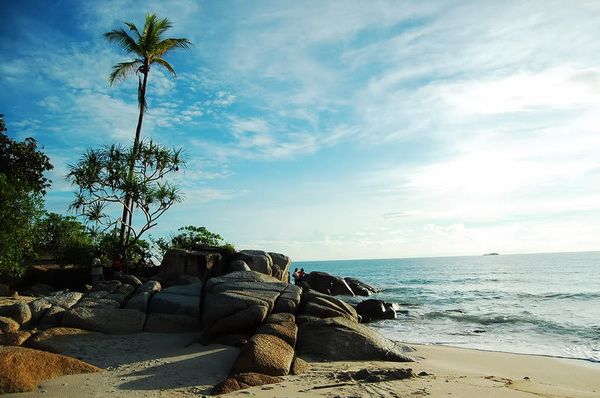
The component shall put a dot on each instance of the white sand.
(172, 365)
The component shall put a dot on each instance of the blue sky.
(331, 130)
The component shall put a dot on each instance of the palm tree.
(148, 47)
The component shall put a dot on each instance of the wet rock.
(360, 288)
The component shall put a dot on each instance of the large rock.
(265, 354)
(65, 299)
(150, 286)
(283, 263)
(171, 323)
(38, 308)
(58, 340)
(375, 309)
(327, 284)
(238, 265)
(139, 302)
(99, 303)
(201, 264)
(360, 288)
(14, 338)
(118, 321)
(22, 369)
(239, 301)
(20, 312)
(340, 339)
(257, 260)
(52, 316)
(324, 306)
(8, 325)
(287, 332)
(182, 299)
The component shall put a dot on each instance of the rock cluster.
(242, 299)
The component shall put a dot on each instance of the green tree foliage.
(189, 238)
(22, 189)
(64, 238)
(147, 46)
(102, 179)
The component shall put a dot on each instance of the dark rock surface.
(324, 306)
(201, 264)
(342, 339)
(240, 301)
(328, 284)
(360, 288)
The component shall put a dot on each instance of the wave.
(523, 319)
(579, 295)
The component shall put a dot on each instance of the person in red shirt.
(117, 265)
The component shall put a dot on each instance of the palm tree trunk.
(127, 216)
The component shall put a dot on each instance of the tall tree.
(148, 47)
(102, 182)
(22, 189)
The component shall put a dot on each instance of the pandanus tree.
(103, 182)
(148, 47)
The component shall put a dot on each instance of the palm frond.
(123, 70)
(165, 65)
(168, 44)
(121, 37)
(134, 29)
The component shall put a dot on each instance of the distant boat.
(491, 254)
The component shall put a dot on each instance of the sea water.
(546, 304)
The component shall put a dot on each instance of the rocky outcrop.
(257, 260)
(281, 266)
(64, 299)
(324, 306)
(328, 284)
(38, 308)
(372, 309)
(22, 369)
(182, 299)
(360, 288)
(240, 301)
(109, 321)
(20, 312)
(200, 264)
(238, 265)
(339, 339)
(266, 354)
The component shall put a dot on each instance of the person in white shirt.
(97, 271)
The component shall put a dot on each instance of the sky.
(335, 129)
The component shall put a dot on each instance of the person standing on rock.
(296, 276)
(97, 271)
(301, 274)
(117, 266)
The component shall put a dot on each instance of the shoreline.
(165, 365)
(585, 360)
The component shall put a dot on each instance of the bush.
(189, 238)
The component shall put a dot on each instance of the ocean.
(546, 304)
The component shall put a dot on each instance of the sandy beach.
(175, 365)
